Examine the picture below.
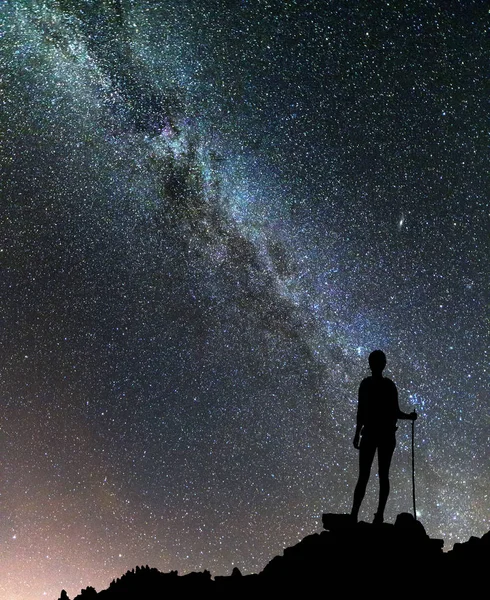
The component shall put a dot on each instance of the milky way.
(211, 212)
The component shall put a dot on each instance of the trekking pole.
(413, 470)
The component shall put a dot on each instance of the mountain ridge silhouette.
(356, 556)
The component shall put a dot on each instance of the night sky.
(211, 213)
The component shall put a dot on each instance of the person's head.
(377, 361)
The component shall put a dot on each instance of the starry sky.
(211, 212)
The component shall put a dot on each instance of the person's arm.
(410, 416)
(402, 415)
(360, 417)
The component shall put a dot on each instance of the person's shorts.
(384, 443)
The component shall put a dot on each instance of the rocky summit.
(347, 559)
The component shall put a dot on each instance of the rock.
(336, 522)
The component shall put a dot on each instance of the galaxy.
(211, 213)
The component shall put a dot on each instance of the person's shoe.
(378, 519)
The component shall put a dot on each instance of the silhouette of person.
(377, 414)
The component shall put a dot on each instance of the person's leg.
(366, 456)
(385, 454)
